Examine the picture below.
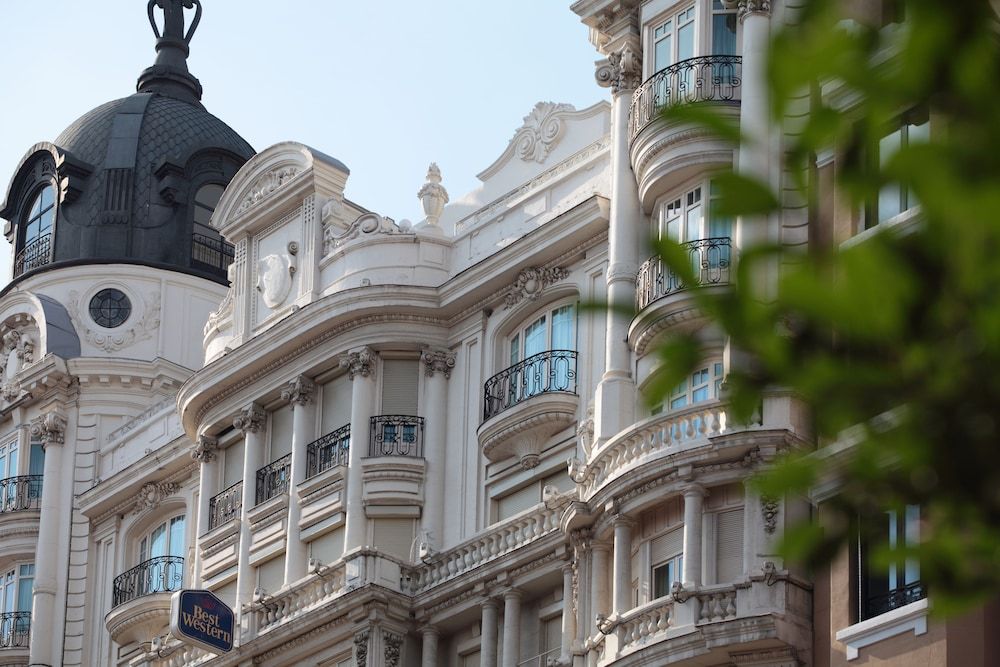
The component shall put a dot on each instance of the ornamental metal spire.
(169, 75)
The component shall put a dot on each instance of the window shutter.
(399, 387)
(729, 546)
(281, 432)
(336, 404)
(667, 546)
(518, 501)
(232, 467)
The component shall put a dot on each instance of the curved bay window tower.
(116, 269)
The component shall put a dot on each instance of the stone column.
(598, 583)
(616, 393)
(437, 365)
(251, 420)
(511, 627)
(623, 564)
(429, 650)
(693, 500)
(301, 393)
(568, 613)
(205, 452)
(360, 367)
(50, 429)
(488, 634)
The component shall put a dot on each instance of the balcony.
(527, 403)
(34, 255)
(664, 153)
(15, 628)
(225, 506)
(656, 286)
(140, 599)
(702, 79)
(20, 494)
(396, 435)
(329, 451)
(273, 479)
(211, 255)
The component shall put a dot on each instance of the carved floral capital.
(438, 361)
(745, 8)
(205, 449)
(50, 429)
(250, 419)
(300, 391)
(622, 70)
(357, 363)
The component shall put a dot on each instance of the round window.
(110, 308)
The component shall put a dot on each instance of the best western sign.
(202, 619)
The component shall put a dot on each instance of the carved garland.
(393, 642)
(769, 509)
(152, 494)
(530, 283)
(361, 648)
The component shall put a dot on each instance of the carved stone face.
(274, 279)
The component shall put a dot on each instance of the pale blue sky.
(385, 87)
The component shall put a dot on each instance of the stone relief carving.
(438, 361)
(266, 184)
(361, 648)
(152, 494)
(112, 340)
(393, 642)
(360, 363)
(369, 223)
(49, 428)
(585, 432)
(299, 391)
(543, 128)
(250, 419)
(205, 449)
(18, 352)
(274, 275)
(769, 510)
(746, 7)
(432, 195)
(622, 70)
(530, 283)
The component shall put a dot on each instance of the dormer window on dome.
(34, 247)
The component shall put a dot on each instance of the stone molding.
(300, 391)
(360, 363)
(250, 419)
(438, 361)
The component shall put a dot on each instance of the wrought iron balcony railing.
(156, 575)
(15, 628)
(225, 506)
(212, 254)
(397, 435)
(702, 79)
(33, 255)
(329, 451)
(273, 478)
(897, 597)
(18, 494)
(710, 260)
(542, 373)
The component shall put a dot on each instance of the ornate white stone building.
(397, 445)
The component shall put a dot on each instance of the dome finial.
(169, 75)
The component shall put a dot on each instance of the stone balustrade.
(501, 538)
(329, 582)
(676, 430)
(717, 605)
(643, 624)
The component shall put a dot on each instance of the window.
(530, 495)
(702, 385)
(894, 198)
(38, 222)
(167, 539)
(17, 583)
(553, 331)
(110, 308)
(723, 29)
(666, 555)
(8, 460)
(205, 200)
(880, 589)
(682, 34)
(673, 39)
(682, 218)
(160, 563)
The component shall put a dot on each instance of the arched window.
(160, 565)
(34, 248)
(166, 539)
(208, 249)
(205, 200)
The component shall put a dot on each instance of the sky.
(386, 87)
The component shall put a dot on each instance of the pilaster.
(301, 393)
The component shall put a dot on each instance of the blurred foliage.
(892, 342)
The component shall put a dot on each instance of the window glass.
(665, 574)
(723, 30)
(205, 201)
(893, 198)
(885, 589)
(166, 539)
(16, 588)
(25, 582)
(40, 216)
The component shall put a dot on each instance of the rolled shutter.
(729, 545)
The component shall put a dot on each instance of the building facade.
(398, 444)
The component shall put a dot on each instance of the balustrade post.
(250, 421)
(205, 452)
(488, 634)
(360, 366)
(50, 430)
(301, 393)
(694, 496)
(437, 365)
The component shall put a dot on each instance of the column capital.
(694, 491)
(204, 450)
(621, 70)
(602, 547)
(300, 391)
(250, 419)
(490, 602)
(360, 362)
(512, 594)
(437, 361)
(429, 631)
(746, 8)
(620, 519)
(50, 428)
